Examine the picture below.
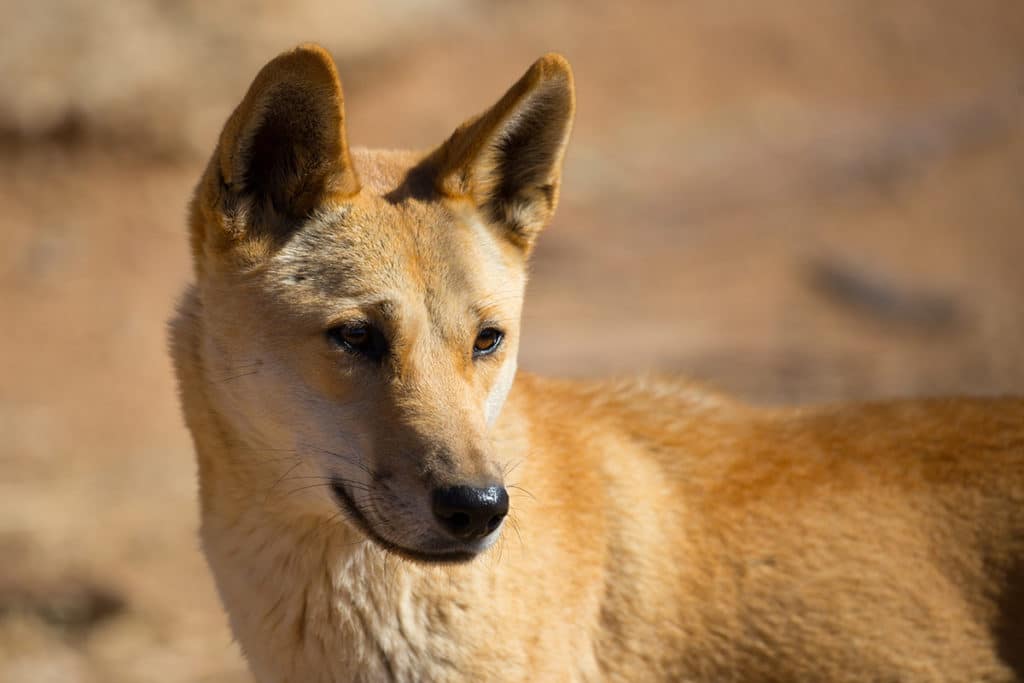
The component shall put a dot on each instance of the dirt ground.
(798, 201)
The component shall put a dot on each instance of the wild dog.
(384, 497)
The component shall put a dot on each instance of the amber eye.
(487, 341)
(359, 338)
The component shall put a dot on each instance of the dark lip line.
(355, 515)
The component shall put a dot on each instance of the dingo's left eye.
(487, 341)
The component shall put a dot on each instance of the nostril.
(468, 512)
(458, 521)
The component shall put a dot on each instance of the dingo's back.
(384, 497)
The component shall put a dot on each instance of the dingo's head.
(360, 310)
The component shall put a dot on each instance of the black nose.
(470, 513)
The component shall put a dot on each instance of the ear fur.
(508, 160)
(283, 151)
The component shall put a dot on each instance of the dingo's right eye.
(361, 339)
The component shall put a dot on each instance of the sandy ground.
(798, 201)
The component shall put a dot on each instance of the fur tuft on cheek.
(499, 390)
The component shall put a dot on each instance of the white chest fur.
(312, 603)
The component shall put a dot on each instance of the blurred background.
(797, 201)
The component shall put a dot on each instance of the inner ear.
(289, 157)
(284, 149)
(508, 160)
(525, 162)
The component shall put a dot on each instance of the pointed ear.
(508, 160)
(284, 151)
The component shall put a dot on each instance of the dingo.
(384, 498)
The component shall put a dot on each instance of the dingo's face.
(364, 307)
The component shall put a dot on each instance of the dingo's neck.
(310, 600)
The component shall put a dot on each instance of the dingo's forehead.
(431, 255)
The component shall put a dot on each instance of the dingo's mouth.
(358, 518)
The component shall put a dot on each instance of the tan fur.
(657, 531)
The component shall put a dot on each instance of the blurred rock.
(70, 603)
